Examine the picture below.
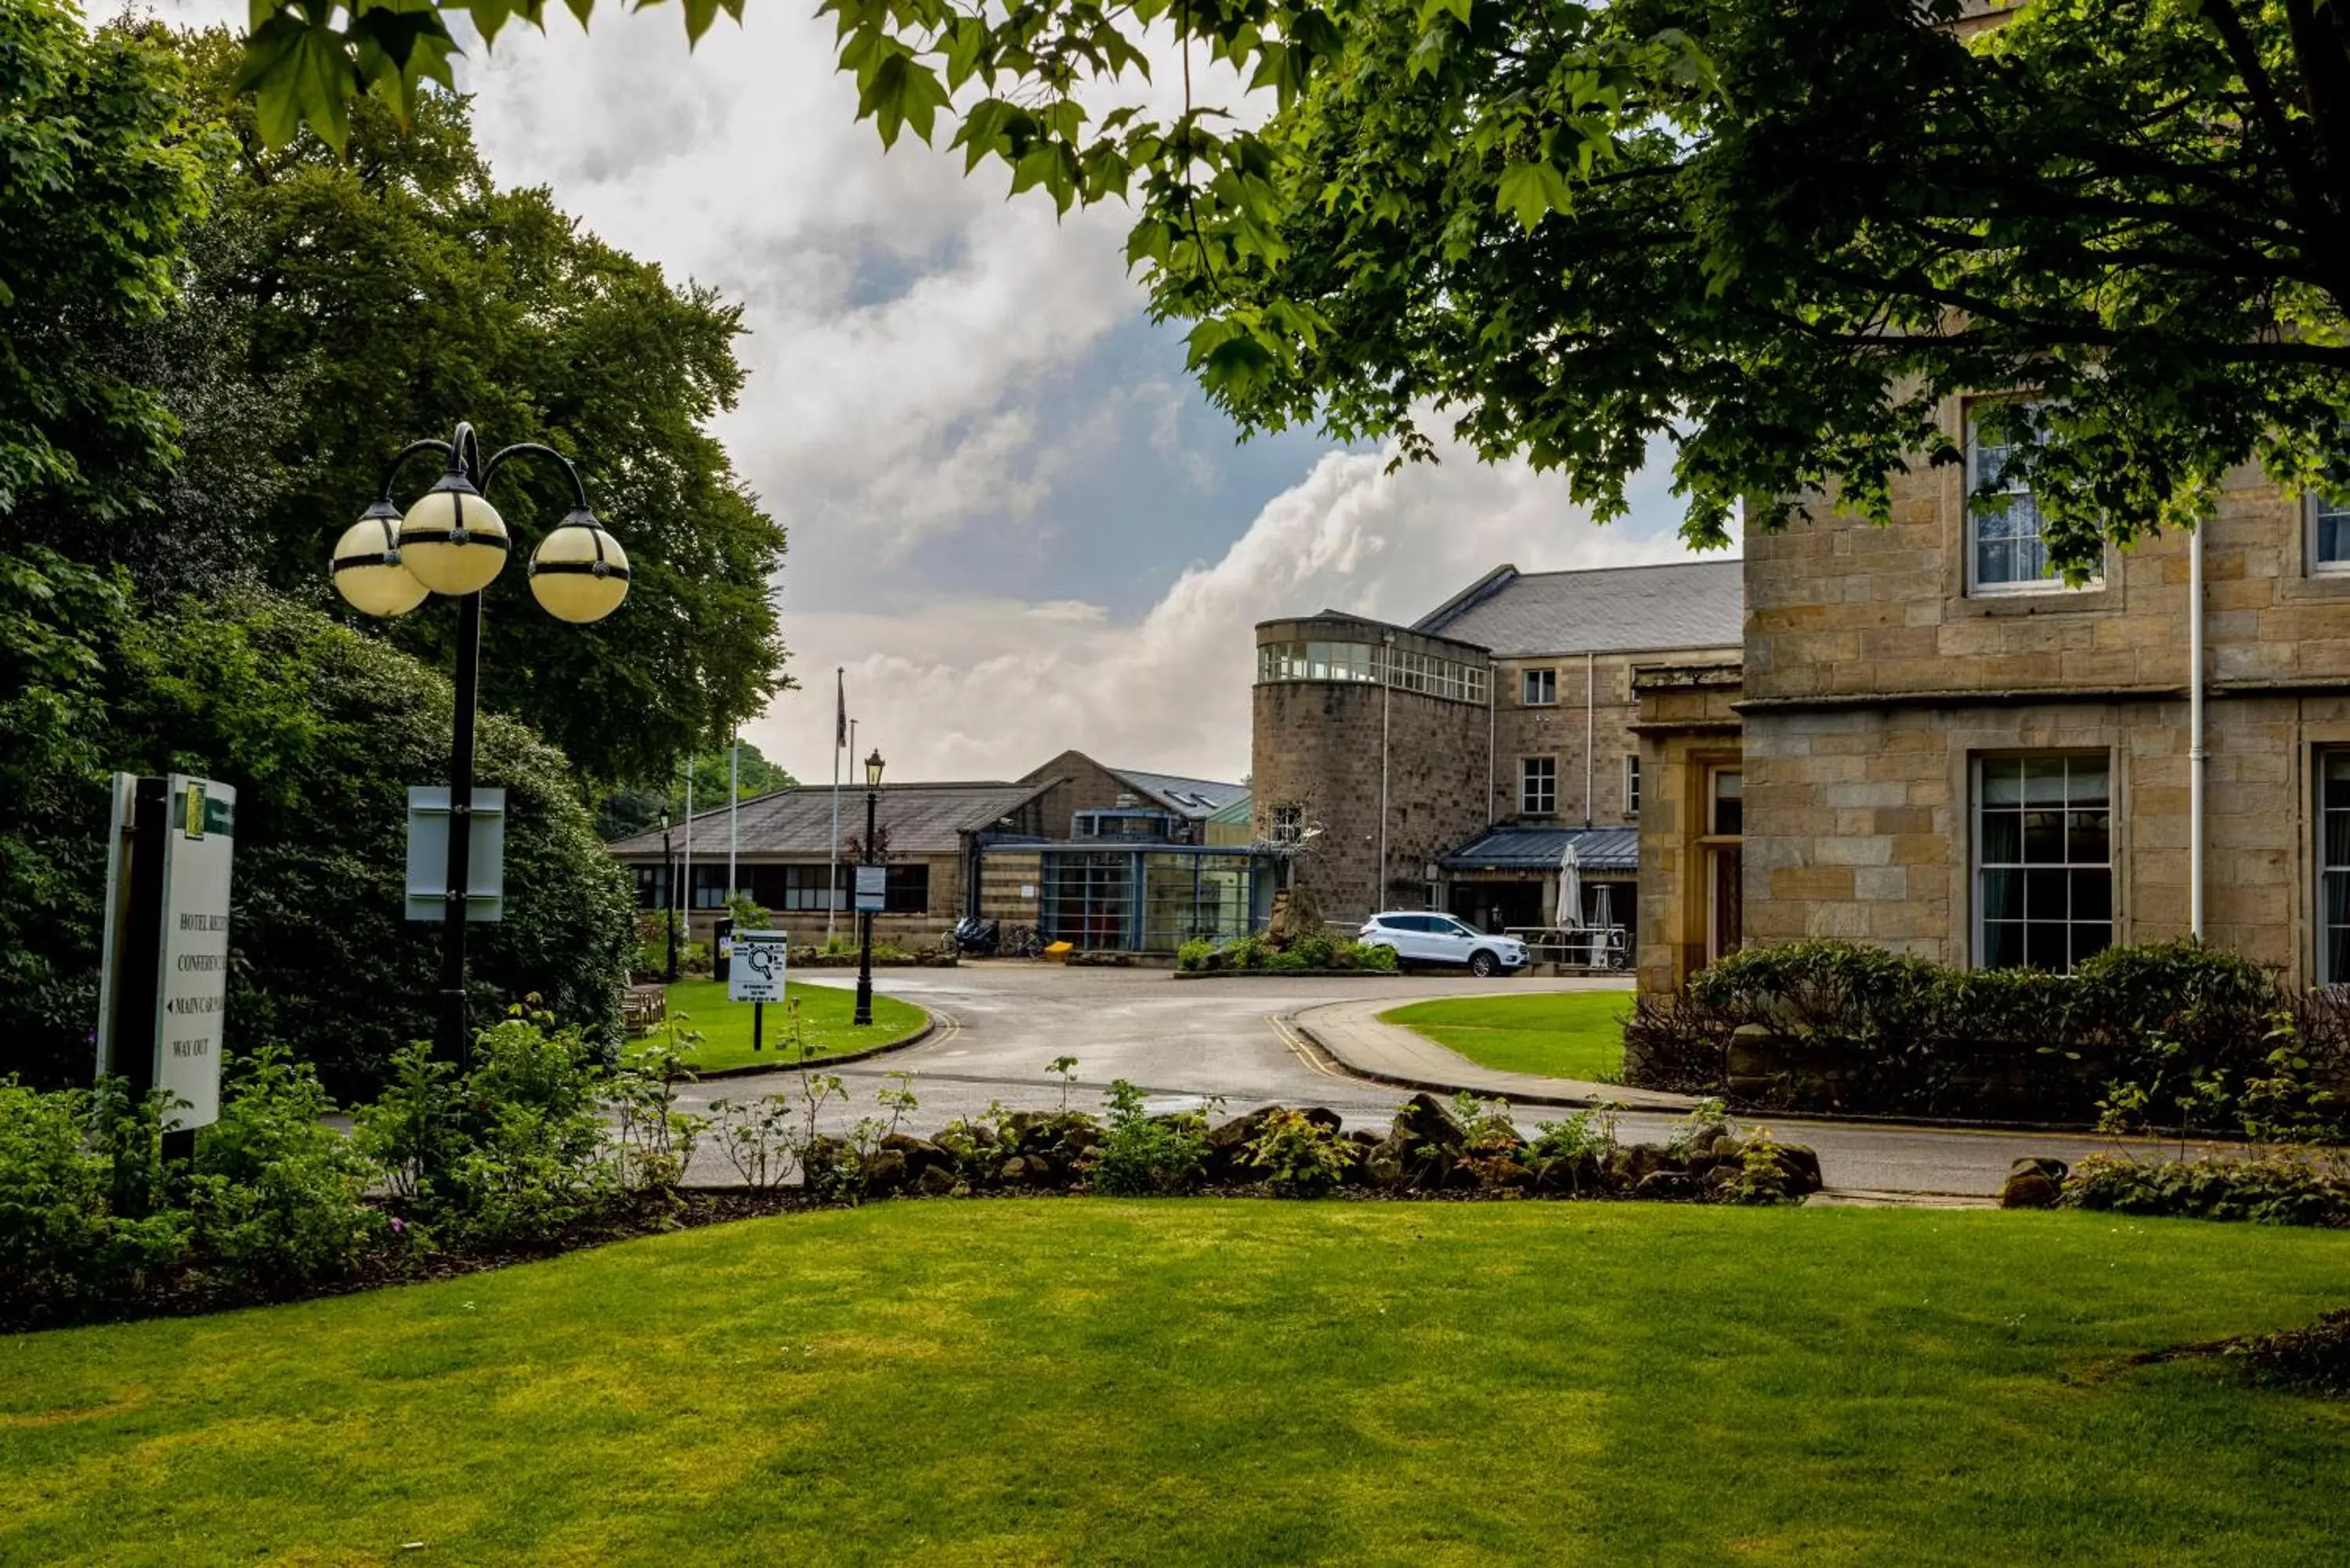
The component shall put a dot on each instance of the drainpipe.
(1492, 711)
(1387, 704)
(1590, 732)
(2196, 754)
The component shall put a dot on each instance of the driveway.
(1001, 1023)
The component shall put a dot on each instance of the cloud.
(965, 687)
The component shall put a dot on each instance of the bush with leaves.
(2165, 1034)
(275, 1191)
(1143, 1156)
(2269, 1186)
(1299, 1156)
(85, 1215)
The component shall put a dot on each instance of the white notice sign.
(872, 888)
(759, 959)
(192, 992)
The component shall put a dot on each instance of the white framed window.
(2334, 867)
(2005, 552)
(2329, 537)
(1632, 786)
(1538, 785)
(1539, 689)
(1726, 809)
(2043, 860)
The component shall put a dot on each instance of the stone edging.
(1431, 1085)
(930, 1027)
(1289, 974)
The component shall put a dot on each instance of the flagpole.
(839, 737)
(689, 849)
(734, 812)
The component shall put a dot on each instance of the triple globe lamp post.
(451, 542)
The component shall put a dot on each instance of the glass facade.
(1137, 900)
(1367, 663)
(2043, 859)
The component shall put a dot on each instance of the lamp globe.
(580, 573)
(451, 539)
(366, 565)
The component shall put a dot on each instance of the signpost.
(761, 960)
(163, 987)
(427, 854)
(872, 888)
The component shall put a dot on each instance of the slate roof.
(922, 819)
(1195, 798)
(1539, 848)
(1610, 610)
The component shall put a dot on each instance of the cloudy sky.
(1013, 522)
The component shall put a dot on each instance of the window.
(1540, 688)
(906, 890)
(1286, 824)
(2329, 535)
(803, 889)
(1538, 785)
(2005, 553)
(710, 886)
(2333, 868)
(652, 887)
(1728, 816)
(1632, 786)
(1369, 662)
(2043, 859)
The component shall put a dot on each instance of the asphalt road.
(1001, 1024)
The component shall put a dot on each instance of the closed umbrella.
(1570, 889)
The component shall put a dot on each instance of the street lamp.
(452, 542)
(865, 917)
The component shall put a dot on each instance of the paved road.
(1187, 1041)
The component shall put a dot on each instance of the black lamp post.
(865, 917)
(452, 542)
(669, 898)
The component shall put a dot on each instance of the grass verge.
(1088, 1381)
(1561, 1034)
(823, 1023)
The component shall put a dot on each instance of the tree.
(401, 289)
(628, 812)
(1774, 236)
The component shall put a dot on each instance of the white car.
(1421, 936)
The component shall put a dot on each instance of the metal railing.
(1576, 946)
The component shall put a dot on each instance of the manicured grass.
(1563, 1034)
(825, 1013)
(1088, 1381)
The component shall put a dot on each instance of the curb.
(750, 1069)
(1436, 1086)
(1289, 974)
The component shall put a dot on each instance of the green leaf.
(1533, 191)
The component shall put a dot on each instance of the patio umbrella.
(1570, 889)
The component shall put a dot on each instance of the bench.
(643, 1009)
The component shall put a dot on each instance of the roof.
(1540, 848)
(921, 819)
(1195, 798)
(1241, 811)
(1609, 609)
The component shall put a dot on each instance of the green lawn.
(825, 1013)
(1565, 1034)
(1088, 1381)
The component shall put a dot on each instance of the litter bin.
(722, 949)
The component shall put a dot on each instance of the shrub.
(1144, 1155)
(1196, 954)
(1300, 1157)
(2164, 1035)
(277, 1191)
(2277, 1187)
(85, 1216)
(1373, 957)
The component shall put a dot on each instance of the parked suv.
(1419, 937)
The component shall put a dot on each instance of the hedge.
(2164, 1035)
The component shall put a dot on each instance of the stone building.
(1451, 763)
(1931, 744)
(1102, 858)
